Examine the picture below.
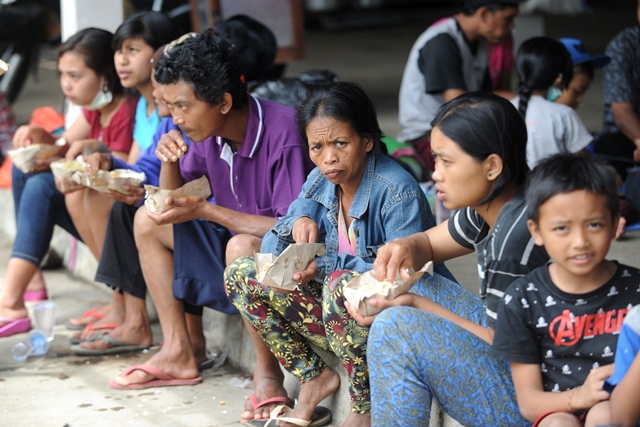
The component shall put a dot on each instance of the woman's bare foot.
(358, 420)
(264, 388)
(311, 394)
(7, 313)
(37, 282)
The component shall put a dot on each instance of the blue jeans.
(39, 206)
(415, 357)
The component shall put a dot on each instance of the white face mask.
(101, 99)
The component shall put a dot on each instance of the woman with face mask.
(88, 78)
(134, 43)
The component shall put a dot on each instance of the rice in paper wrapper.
(155, 197)
(365, 286)
(63, 170)
(96, 180)
(24, 158)
(277, 272)
(118, 178)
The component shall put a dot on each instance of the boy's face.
(576, 229)
(574, 94)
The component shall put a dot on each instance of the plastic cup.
(44, 315)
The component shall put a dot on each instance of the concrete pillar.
(80, 14)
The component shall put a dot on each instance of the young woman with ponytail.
(545, 68)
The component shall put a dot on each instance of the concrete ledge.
(221, 330)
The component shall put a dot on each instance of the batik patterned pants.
(289, 322)
(415, 357)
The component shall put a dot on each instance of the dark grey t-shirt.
(566, 334)
(504, 253)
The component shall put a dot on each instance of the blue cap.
(579, 54)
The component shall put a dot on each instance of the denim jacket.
(388, 204)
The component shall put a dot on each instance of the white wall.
(77, 15)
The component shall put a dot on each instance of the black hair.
(470, 10)
(539, 62)
(344, 101)
(209, 64)
(94, 45)
(482, 124)
(155, 28)
(584, 68)
(565, 173)
(254, 42)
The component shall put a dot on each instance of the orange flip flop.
(91, 313)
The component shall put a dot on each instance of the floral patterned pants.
(289, 323)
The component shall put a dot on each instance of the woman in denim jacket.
(356, 200)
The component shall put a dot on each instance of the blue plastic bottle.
(36, 346)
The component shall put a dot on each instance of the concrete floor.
(66, 390)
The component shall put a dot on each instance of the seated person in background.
(253, 156)
(558, 325)
(583, 68)
(544, 68)
(134, 42)
(449, 59)
(356, 199)
(625, 381)
(619, 141)
(88, 78)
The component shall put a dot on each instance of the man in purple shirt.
(256, 164)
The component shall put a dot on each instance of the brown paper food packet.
(365, 286)
(277, 272)
(155, 197)
(63, 170)
(96, 180)
(24, 158)
(118, 178)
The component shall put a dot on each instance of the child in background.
(560, 323)
(625, 381)
(583, 68)
(134, 43)
(545, 69)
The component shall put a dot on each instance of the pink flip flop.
(163, 379)
(278, 399)
(39, 295)
(14, 326)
